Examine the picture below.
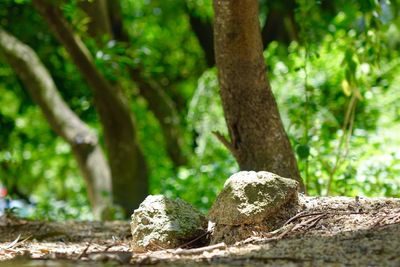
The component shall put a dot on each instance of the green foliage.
(338, 79)
(37, 165)
(337, 88)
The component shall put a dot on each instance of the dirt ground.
(335, 231)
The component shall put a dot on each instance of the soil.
(329, 231)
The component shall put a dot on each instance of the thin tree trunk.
(164, 109)
(278, 27)
(203, 30)
(97, 11)
(62, 119)
(106, 19)
(258, 140)
(159, 103)
(128, 166)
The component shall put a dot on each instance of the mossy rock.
(162, 223)
(250, 197)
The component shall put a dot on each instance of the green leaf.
(303, 151)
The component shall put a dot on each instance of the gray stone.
(162, 223)
(250, 197)
(252, 204)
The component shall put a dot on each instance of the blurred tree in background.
(332, 66)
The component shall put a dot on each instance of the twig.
(310, 223)
(315, 221)
(301, 215)
(199, 250)
(23, 240)
(116, 243)
(85, 250)
(284, 233)
(12, 243)
(194, 240)
(387, 220)
(257, 240)
(224, 141)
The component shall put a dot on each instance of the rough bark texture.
(62, 119)
(128, 167)
(258, 140)
(159, 103)
(280, 26)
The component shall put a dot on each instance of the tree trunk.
(63, 120)
(280, 24)
(203, 30)
(163, 108)
(97, 11)
(128, 166)
(258, 140)
(158, 101)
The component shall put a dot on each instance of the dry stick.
(387, 220)
(22, 241)
(281, 235)
(12, 243)
(291, 228)
(85, 250)
(301, 215)
(257, 240)
(194, 240)
(395, 218)
(112, 245)
(15, 243)
(160, 247)
(284, 233)
(313, 222)
(199, 250)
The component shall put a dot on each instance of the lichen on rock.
(161, 223)
(250, 202)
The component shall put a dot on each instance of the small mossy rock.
(161, 223)
(250, 197)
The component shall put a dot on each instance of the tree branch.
(159, 103)
(62, 119)
(115, 114)
(225, 142)
(203, 30)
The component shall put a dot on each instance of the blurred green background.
(335, 80)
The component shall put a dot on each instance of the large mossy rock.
(252, 202)
(162, 223)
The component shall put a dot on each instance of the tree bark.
(84, 143)
(128, 166)
(204, 32)
(159, 103)
(106, 19)
(163, 108)
(97, 11)
(258, 140)
(280, 24)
